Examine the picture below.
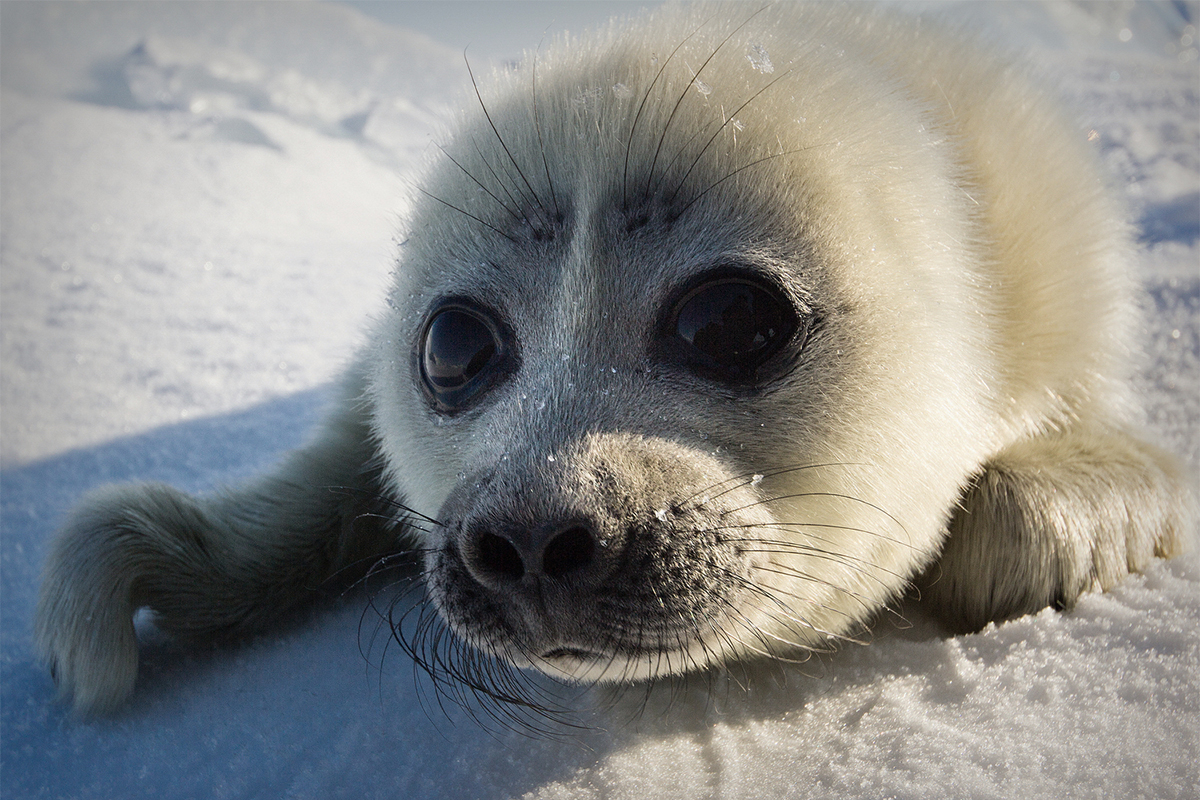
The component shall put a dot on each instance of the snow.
(198, 206)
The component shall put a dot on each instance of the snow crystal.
(759, 59)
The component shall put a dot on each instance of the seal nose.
(558, 552)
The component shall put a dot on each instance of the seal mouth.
(569, 652)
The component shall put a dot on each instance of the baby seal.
(713, 335)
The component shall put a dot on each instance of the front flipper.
(1053, 517)
(227, 564)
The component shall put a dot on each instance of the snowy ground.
(197, 205)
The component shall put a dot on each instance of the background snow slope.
(197, 205)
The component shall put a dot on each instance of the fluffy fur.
(949, 410)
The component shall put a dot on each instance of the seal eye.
(459, 350)
(729, 327)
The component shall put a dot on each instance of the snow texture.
(198, 209)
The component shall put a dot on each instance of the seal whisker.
(866, 605)
(837, 495)
(476, 181)
(682, 95)
(708, 144)
(521, 203)
(465, 213)
(753, 478)
(863, 603)
(537, 124)
(820, 553)
(732, 173)
(483, 106)
(807, 528)
(641, 107)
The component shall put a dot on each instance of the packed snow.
(198, 210)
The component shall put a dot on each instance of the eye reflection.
(459, 351)
(732, 325)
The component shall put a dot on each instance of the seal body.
(713, 335)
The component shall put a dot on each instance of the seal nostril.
(498, 556)
(570, 550)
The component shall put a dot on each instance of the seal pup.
(713, 335)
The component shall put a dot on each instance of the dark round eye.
(458, 351)
(731, 326)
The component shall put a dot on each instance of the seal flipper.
(1052, 517)
(221, 565)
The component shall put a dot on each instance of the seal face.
(751, 337)
(596, 565)
(712, 336)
